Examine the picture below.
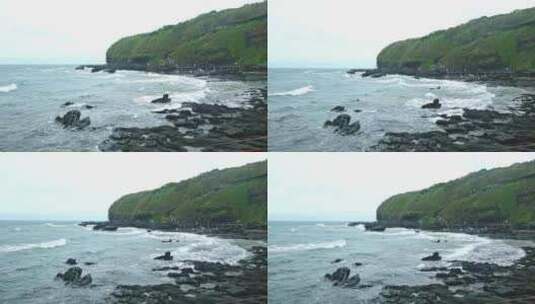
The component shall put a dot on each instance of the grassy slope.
(504, 195)
(235, 195)
(225, 37)
(495, 43)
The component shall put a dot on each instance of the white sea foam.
(198, 247)
(8, 88)
(44, 245)
(55, 225)
(296, 92)
(308, 246)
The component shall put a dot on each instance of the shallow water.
(300, 101)
(300, 254)
(32, 253)
(31, 98)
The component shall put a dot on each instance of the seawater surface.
(300, 101)
(300, 254)
(32, 96)
(32, 253)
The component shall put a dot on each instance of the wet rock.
(67, 104)
(166, 257)
(342, 125)
(376, 227)
(73, 276)
(338, 109)
(89, 263)
(434, 257)
(105, 227)
(164, 99)
(352, 282)
(339, 276)
(72, 120)
(357, 264)
(336, 261)
(435, 105)
(71, 261)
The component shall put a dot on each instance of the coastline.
(474, 130)
(198, 127)
(469, 282)
(207, 282)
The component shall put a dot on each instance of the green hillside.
(235, 195)
(499, 43)
(498, 196)
(232, 36)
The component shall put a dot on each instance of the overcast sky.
(82, 186)
(67, 31)
(350, 33)
(350, 186)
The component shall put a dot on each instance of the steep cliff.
(497, 196)
(229, 37)
(500, 43)
(235, 195)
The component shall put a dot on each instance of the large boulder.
(166, 257)
(341, 278)
(164, 99)
(434, 105)
(342, 125)
(72, 120)
(434, 257)
(73, 277)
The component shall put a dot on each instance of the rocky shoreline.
(474, 130)
(465, 282)
(204, 282)
(194, 281)
(225, 231)
(194, 127)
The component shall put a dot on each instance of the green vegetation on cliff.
(499, 43)
(232, 36)
(235, 195)
(497, 196)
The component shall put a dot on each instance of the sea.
(301, 253)
(32, 253)
(300, 102)
(31, 97)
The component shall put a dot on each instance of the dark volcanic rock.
(336, 261)
(73, 276)
(166, 257)
(434, 257)
(200, 127)
(341, 278)
(105, 227)
(72, 120)
(338, 109)
(435, 105)
(475, 130)
(71, 262)
(164, 99)
(342, 125)
(374, 227)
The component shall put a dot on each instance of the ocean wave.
(44, 245)
(55, 225)
(169, 79)
(198, 247)
(306, 247)
(296, 92)
(8, 88)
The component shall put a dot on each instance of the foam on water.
(296, 92)
(308, 246)
(43, 245)
(8, 88)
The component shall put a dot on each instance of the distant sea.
(32, 253)
(300, 101)
(300, 254)
(31, 96)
